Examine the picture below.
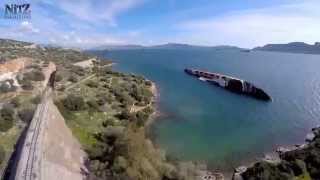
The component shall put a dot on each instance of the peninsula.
(294, 47)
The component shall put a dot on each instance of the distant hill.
(7, 43)
(294, 47)
(162, 46)
(119, 47)
(176, 46)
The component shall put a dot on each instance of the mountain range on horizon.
(293, 47)
(161, 46)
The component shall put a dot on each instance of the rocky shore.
(154, 101)
(297, 162)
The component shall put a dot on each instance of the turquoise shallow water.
(204, 122)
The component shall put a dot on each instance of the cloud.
(75, 23)
(286, 23)
(81, 40)
(27, 27)
(96, 11)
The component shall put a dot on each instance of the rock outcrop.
(301, 162)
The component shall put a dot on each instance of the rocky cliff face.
(302, 162)
(13, 66)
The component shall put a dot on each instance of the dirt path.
(82, 80)
(135, 109)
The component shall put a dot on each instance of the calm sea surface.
(203, 122)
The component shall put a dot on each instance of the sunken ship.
(230, 83)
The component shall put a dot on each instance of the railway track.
(29, 166)
(30, 169)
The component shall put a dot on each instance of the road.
(29, 165)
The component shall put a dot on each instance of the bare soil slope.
(63, 156)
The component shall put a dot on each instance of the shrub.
(104, 79)
(35, 75)
(7, 112)
(114, 132)
(120, 164)
(45, 64)
(74, 103)
(142, 95)
(142, 118)
(15, 102)
(6, 118)
(149, 110)
(92, 103)
(2, 154)
(109, 122)
(124, 115)
(148, 83)
(26, 114)
(58, 77)
(103, 98)
(36, 100)
(78, 70)
(92, 84)
(107, 70)
(4, 87)
(73, 78)
(26, 85)
(61, 88)
(124, 98)
(7, 86)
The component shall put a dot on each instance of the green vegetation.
(35, 75)
(74, 103)
(26, 114)
(100, 112)
(13, 118)
(7, 86)
(19, 109)
(300, 164)
(58, 77)
(73, 78)
(2, 154)
(107, 111)
(6, 118)
(15, 102)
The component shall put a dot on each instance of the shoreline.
(280, 156)
(271, 157)
(201, 173)
(154, 101)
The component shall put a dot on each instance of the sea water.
(202, 122)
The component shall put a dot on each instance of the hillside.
(106, 111)
(25, 69)
(294, 47)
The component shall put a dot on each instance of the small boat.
(230, 83)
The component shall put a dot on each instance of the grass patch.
(84, 125)
(8, 141)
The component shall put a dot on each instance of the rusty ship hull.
(229, 83)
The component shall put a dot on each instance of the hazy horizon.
(88, 24)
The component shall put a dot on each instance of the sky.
(93, 23)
